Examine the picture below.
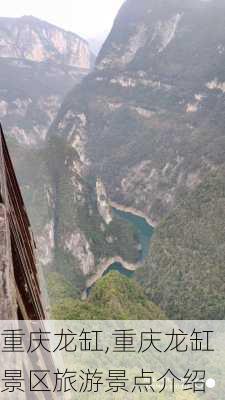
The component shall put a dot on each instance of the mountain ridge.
(32, 19)
(36, 40)
(39, 64)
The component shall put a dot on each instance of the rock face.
(104, 208)
(39, 64)
(30, 96)
(35, 40)
(152, 103)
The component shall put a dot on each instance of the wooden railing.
(22, 243)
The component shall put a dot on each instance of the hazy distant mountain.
(39, 64)
(36, 40)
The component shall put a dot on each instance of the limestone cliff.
(39, 64)
(35, 40)
(104, 207)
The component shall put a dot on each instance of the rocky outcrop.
(105, 264)
(45, 244)
(132, 211)
(104, 208)
(77, 244)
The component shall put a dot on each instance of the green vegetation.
(59, 158)
(114, 297)
(34, 180)
(68, 266)
(74, 209)
(59, 287)
(117, 238)
(184, 272)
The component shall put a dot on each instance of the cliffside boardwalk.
(20, 295)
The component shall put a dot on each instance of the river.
(144, 231)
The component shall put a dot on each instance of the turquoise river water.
(144, 231)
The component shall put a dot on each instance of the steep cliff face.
(39, 64)
(152, 103)
(82, 229)
(30, 96)
(35, 40)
